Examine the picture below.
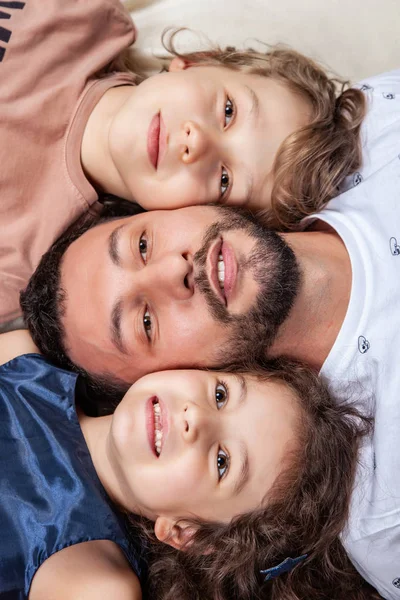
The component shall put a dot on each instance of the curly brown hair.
(304, 513)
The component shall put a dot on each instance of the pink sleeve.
(50, 51)
(39, 39)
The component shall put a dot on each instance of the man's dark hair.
(43, 300)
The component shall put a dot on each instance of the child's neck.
(96, 433)
(96, 159)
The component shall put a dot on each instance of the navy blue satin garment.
(50, 495)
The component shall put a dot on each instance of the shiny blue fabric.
(50, 495)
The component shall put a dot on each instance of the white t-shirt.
(367, 218)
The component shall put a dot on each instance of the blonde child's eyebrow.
(255, 103)
(249, 188)
(252, 114)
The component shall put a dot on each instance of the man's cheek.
(185, 326)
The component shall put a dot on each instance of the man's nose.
(196, 142)
(171, 275)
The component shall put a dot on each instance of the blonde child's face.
(202, 134)
(200, 444)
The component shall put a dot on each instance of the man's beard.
(273, 266)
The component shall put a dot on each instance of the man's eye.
(229, 111)
(147, 324)
(143, 247)
(221, 394)
(222, 463)
(224, 181)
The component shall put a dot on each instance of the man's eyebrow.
(113, 250)
(115, 327)
(245, 467)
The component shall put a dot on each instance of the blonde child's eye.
(224, 181)
(143, 247)
(221, 394)
(147, 324)
(229, 111)
(222, 463)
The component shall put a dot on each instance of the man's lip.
(230, 269)
(150, 424)
(213, 269)
(153, 140)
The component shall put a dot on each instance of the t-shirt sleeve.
(31, 377)
(377, 558)
(381, 82)
(381, 129)
(44, 40)
(50, 54)
(372, 534)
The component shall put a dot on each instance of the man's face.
(164, 289)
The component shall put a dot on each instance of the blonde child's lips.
(162, 141)
(153, 140)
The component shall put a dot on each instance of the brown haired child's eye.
(221, 395)
(222, 463)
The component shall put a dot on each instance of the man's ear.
(176, 535)
(178, 64)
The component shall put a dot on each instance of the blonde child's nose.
(196, 142)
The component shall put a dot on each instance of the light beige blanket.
(355, 38)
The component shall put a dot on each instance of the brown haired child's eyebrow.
(243, 387)
(245, 466)
(244, 471)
